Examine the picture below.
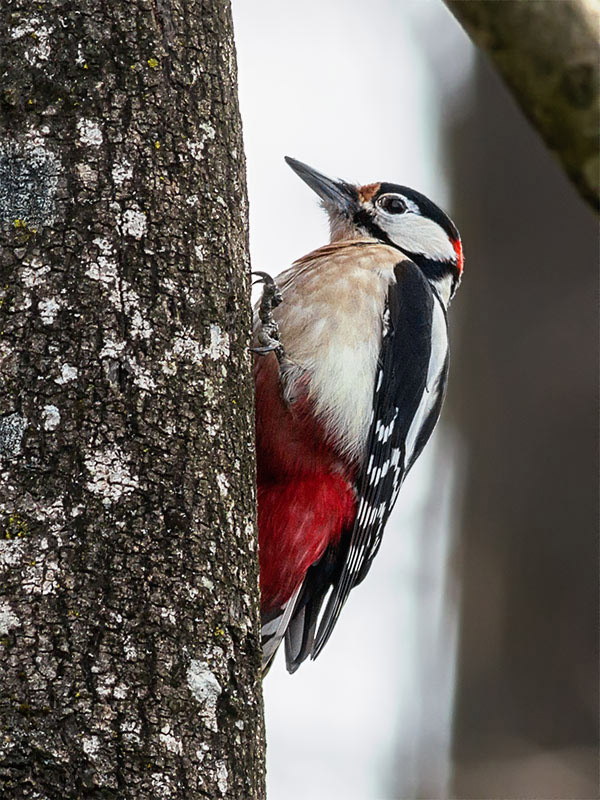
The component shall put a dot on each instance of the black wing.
(408, 394)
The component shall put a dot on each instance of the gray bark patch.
(28, 181)
(206, 689)
(8, 619)
(12, 428)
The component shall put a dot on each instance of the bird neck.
(443, 276)
(342, 229)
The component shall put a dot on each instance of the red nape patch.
(459, 254)
(296, 522)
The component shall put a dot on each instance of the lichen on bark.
(128, 588)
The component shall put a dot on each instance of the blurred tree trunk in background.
(523, 395)
(128, 607)
(547, 52)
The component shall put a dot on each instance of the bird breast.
(330, 325)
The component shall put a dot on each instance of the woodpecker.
(350, 370)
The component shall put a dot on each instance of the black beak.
(339, 194)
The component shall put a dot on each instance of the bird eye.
(392, 204)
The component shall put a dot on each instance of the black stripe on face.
(363, 219)
(436, 270)
(425, 206)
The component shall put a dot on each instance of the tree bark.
(129, 593)
(547, 53)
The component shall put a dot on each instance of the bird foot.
(268, 332)
(290, 373)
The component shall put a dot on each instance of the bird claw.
(271, 297)
(268, 333)
(268, 348)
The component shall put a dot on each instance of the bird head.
(395, 215)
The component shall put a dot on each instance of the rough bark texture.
(547, 52)
(128, 595)
(524, 398)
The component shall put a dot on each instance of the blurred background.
(465, 666)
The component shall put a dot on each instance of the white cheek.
(416, 234)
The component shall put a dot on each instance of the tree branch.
(547, 53)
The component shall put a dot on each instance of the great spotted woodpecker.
(350, 370)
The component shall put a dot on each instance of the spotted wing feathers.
(400, 386)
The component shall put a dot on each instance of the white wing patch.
(439, 353)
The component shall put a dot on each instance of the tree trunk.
(548, 55)
(129, 596)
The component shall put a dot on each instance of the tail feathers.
(297, 620)
(274, 626)
(300, 635)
